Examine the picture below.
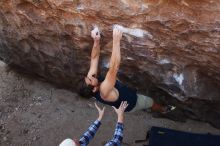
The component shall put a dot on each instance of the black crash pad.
(166, 137)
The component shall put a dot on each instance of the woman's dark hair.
(85, 90)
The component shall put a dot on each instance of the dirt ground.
(35, 113)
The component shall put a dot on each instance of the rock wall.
(179, 53)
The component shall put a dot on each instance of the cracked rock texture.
(179, 52)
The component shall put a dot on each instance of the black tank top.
(125, 94)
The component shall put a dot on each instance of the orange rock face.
(178, 53)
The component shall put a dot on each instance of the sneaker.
(169, 108)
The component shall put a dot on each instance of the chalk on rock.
(133, 31)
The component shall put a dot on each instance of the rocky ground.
(34, 113)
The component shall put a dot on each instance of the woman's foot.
(162, 109)
(168, 109)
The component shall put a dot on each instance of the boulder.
(178, 53)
